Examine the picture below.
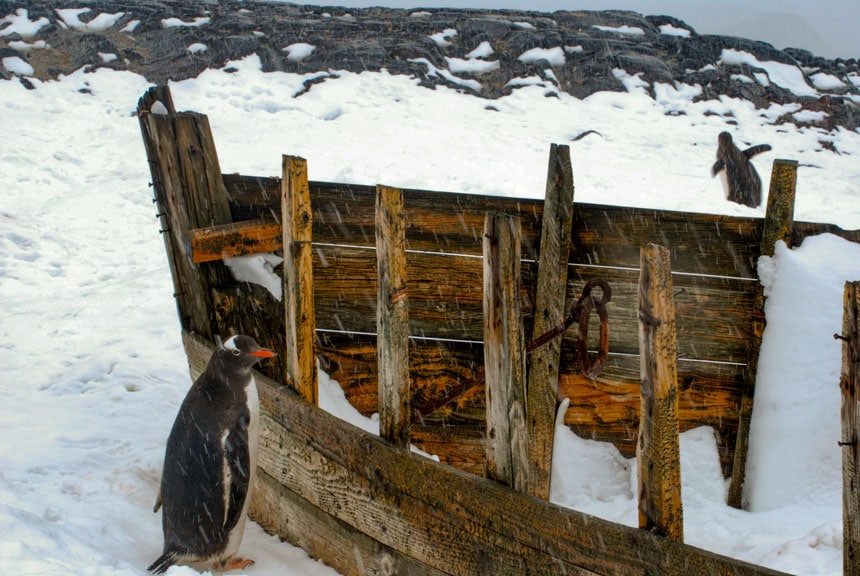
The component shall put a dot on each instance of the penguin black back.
(742, 182)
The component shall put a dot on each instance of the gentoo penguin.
(740, 180)
(210, 462)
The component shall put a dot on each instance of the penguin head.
(244, 351)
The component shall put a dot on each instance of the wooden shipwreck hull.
(374, 276)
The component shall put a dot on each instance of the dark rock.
(594, 43)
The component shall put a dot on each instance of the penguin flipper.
(237, 455)
(158, 501)
(758, 149)
(715, 169)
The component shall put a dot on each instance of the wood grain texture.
(235, 239)
(504, 354)
(850, 386)
(392, 318)
(658, 454)
(550, 310)
(299, 311)
(440, 517)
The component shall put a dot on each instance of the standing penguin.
(740, 180)
(211, 460)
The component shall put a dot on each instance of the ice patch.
(442, 38)
(107, 58)
(824, 81)
(810, 116)
(484, 50)
(22, 46)
(197, 48)
(447, 75)
(471, 66)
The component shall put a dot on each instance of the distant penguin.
(740, 179)
(210, 462)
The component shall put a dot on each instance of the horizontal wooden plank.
(235, 239)
(448, 393)
(448, 519)
(604, 235)
(445, 301)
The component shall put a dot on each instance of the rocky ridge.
(482, 52)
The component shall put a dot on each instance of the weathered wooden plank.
(358, 478)
(392, 318)
(603, 235)
(445, 301)
(658, 454)
(235, 239)
(543, 363)
(777, 226)
(189, 192)
(281, 511)
(300, 321)
(504, 354)
(448, 393)
(850, 386)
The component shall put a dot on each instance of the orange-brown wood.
(235, 239)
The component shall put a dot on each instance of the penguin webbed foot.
(233, 563)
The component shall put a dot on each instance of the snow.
(442, 39)
(669, 30)
(71, 17)
(824, 81)
(93, 365)
(555, 56)
(258, 269)
(20, 23)
(299, 51)
(178, 22)
(788, 76)
(484, 50)
(17, 65)
(197, 48)
(623, 30)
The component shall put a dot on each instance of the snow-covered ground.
(93, 369)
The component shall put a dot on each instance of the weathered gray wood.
(658, 453)
(392, 318)
(189, 193)
(453, 521)
(850, 386)
(777, 226)
(544, 362)
(504, 354)
(300, 323)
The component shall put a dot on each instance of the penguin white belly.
(724, 180)
(238, 531)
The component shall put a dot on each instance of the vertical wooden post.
(549, 313)
(297, 219)
(392, 318)
(189, 192)
(504, 353)
(778, 221)
(850, 386)
(658, 450)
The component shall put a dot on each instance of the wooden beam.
(658, 452)
(296, 215)
(543, 365)
(777, 225)
(235, 239)
(189, 193)
(504, 354)
(392, 318)
(441, 517)
(850, 386)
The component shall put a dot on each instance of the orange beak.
(263, 353)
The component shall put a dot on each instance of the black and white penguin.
(210, 462)
(740, 179)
